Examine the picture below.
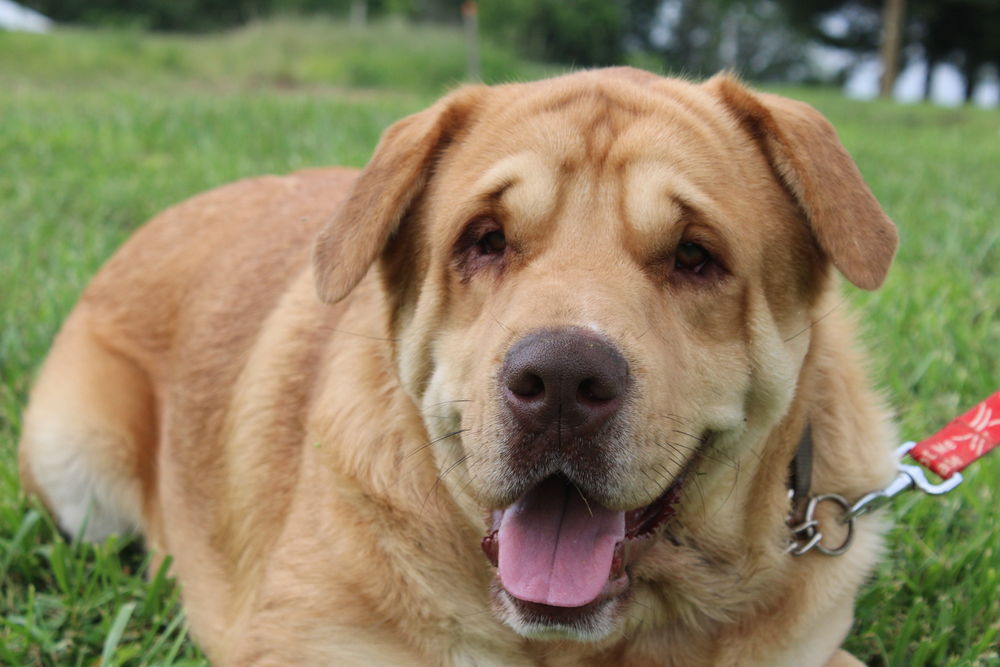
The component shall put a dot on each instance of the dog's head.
(601, 286)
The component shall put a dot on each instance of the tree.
(964, 32)
(893, 18)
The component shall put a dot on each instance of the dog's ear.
(805, 153)
(385, 190)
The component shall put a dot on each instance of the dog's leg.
(88, 440)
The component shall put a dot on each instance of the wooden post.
(359, 13)
(892, 36)
(470, 17)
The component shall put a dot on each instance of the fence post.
(359, 13)
(470, 18)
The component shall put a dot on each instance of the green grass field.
(99, 130)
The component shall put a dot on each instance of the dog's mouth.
(560, 555)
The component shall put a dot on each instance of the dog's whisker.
(451, 467)
(649, 477)
(732, 489)
(440, 478)
(672, 450)
(661, 486)
(700, 439)
(678, 445)
(668, 479)
(817, 320)
(696, 482)
(700, 452)
(672, 417)
(435, 441)
(672, 454)
(465, 486)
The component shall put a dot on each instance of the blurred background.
(945, 51)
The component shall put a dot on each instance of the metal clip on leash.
(907, 477)
(964, 440)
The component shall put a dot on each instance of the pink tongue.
(554, 549)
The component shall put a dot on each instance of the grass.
(100, 130)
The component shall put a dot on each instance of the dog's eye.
(691, 257)
(492, 243)
(482, 245)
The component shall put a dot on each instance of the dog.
(531, 396)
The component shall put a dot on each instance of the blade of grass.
(116, 632)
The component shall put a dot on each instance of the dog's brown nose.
(569, 377)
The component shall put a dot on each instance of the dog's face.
(602, 287)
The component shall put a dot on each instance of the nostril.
(526, 385)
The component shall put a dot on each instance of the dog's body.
(324, 473)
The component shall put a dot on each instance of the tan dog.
(586, 319)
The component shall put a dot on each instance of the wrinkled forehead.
(648, 149)
(606, 126)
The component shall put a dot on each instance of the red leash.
(962, 441)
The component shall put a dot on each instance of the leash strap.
(800, 472)
(964, 440)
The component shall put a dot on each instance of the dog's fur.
(321, 467)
